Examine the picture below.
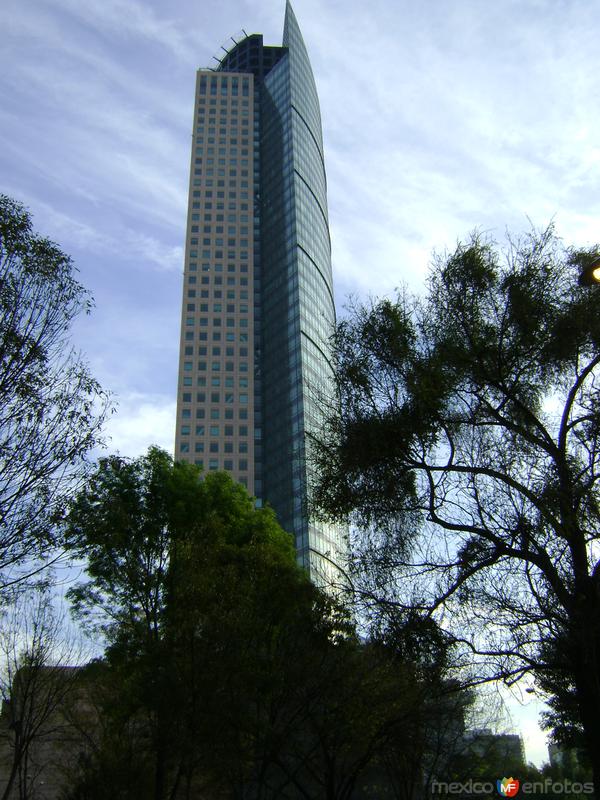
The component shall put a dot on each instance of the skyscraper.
(258, 306)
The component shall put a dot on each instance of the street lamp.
(591, 274)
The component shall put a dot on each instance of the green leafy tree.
(226, 670)
(468, 450)
(177, 567)
(51, 408)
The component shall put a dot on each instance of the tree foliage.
(51, 408)
(468, 450)
(226, 671)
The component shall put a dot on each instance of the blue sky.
(438, 117)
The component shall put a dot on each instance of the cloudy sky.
(439, 116)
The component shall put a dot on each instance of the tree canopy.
(51, 408)
(468, 451)
(226, 670)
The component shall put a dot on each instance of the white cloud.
(129, 19)
(140, 421)
(140, 248)
(164, 256)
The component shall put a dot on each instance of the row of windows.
(213, 448)
(215, 382)
(217, 280)
(217, 241)
(216, 367)
(209, 216)
(204, 322)
(232, 130)
(215, 430)
(217, 447)
(216, 336)
(210, 172)
(215, 413)
(201, 397)
(223, 113)
(216, 351)
(217, 294)
(232, 103)
(228, 430)
(213, 464)
(232, 204)
(217, 267)
(219, 231)
(221, 161)
(230, 308)
(242, 383)
(234, 226)
(218, 254)
(232, 119)
(232, 152)
(232, 142)
(223, 102)
(218, 307)
(242, 255)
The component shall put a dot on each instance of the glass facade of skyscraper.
(258, 307)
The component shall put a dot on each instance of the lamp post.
(591, 274)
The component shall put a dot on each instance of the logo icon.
(507, 787)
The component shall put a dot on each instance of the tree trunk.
(587, 674)
(589, 709)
